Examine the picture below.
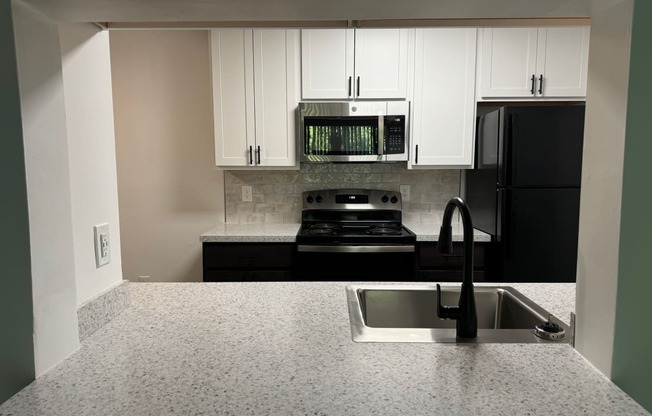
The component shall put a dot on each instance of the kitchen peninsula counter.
(274, 348)
(286, 233)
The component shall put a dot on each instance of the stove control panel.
(343, 199)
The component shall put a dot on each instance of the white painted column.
(602, 173)
(48, 186)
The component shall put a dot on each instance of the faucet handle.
(446, 312)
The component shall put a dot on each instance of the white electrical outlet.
(405, 192)
(102, 244)
(246, 193)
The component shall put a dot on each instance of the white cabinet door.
(508, 62)
(327, 57)
(255, 96)
(354, 63)
(233, 96)
(381, 62)
(443, 118)
(562, 61)
(276, 75)
(540, 63)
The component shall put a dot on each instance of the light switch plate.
(102, 244)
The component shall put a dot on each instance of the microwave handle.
(381, 135)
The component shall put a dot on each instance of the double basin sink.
(408, 313)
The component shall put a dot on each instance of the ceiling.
(305, 10)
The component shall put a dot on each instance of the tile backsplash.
(276, 196)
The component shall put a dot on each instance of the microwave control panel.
(394, 134)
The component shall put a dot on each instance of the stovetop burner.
(384, 229)
(324, 229)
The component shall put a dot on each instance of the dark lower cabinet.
(247, 262)
(259, 262)
(437, 267)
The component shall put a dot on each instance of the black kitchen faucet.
(464, 313)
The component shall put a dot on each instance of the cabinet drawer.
(448, 276)
(250, 256)
(271, 275)
(226, 276)
(430, 258)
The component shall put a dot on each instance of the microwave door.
(341, 139)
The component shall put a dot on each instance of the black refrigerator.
(524, 190)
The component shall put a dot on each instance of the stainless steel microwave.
(373, 131)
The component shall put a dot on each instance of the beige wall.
(169, 190)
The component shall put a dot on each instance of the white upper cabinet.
(354, 63)
(381, 63)
(563, 61)
(526, 63)
(327, 63)
(255, 96)
(443, 114)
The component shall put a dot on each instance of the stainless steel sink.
(407, 313)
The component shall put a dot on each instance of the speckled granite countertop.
(430, 232)
(251, 233)
(286, 233)
(286, 349)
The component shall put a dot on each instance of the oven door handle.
(309, 248)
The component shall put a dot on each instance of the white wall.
(602, 173)
(169, 189)
(91, 148)
(48, 187)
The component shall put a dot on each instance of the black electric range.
(354, 234)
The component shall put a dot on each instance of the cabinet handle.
(251, 156)
(534, 81)
(358, 85)
(258, 155)
(349, 86)
(416, 155)
(541, 84)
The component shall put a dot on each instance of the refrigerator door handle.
(508, 222)
(509, 161)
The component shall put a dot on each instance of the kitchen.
(618, 198)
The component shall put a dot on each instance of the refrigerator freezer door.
(538, 234)
(541, 146)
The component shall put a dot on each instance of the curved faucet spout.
(465, 312)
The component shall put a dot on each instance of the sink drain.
(550, 330)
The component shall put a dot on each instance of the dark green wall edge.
(632, 357)
(16, 322)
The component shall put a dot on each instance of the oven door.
(348, 262)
